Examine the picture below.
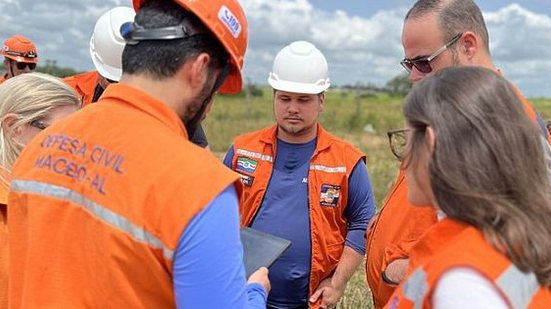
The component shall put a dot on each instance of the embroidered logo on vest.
(246, 165)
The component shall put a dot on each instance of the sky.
(360, 38)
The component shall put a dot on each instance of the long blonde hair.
(30, 96)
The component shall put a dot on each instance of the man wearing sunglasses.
(436, 34)
(19, 56)
(113, 206)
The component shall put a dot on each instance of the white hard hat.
(300, 68)
(107, 44)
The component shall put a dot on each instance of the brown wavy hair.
(488, 165)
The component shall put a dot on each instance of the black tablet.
(260, 249)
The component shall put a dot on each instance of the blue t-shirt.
(208, 261)
(285, 213)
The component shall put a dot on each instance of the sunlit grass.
(347, 115)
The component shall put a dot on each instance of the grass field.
(346, 115)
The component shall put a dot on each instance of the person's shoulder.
(184, 151)
(90, 75)
(188, 161)
(266, 132)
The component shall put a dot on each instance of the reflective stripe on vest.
(415, 288)
(100, 212)
(328, 169)
(519, 287)
(255, 155)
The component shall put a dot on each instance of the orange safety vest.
(397, 228)
(96, 215)
(84, 84)
(330, 167)
(450, 244)
(3, 78)
(405, 223)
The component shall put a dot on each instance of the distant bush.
(51, 67)
(399, 85)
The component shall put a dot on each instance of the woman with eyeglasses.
(471, 151)
(29, 103)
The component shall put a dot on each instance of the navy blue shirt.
(284, 212)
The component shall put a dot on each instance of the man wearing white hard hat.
(303, 184)
(106, 46)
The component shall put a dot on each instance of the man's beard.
(195, 117)
(295, 131)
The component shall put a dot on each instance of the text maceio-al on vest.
(81, 155)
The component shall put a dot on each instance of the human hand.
(261, 276)
(396, 270)
(329, 294)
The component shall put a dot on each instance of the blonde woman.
(29, 103)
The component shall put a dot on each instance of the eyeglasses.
(422, 64)
(23, 65)
(39, 124)
(397, 140)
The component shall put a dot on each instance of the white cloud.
(369, 49)
(520, 42)
(61, 29)
(357, 48)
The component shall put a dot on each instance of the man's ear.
(8, 125)
(322, 101)
(197, 69)
(469, 44)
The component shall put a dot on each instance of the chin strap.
(133, 33)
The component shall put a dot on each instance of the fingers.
(316, 295)
(261, 276)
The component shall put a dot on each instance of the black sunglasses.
(422, 64)
(23, 65)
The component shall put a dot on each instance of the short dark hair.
(163, 58)
(454, 16)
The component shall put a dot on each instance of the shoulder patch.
(246, 165)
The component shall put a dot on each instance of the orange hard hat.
(20, 49)
(226, 19)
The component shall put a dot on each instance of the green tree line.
(399, 85)
(51, 67)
